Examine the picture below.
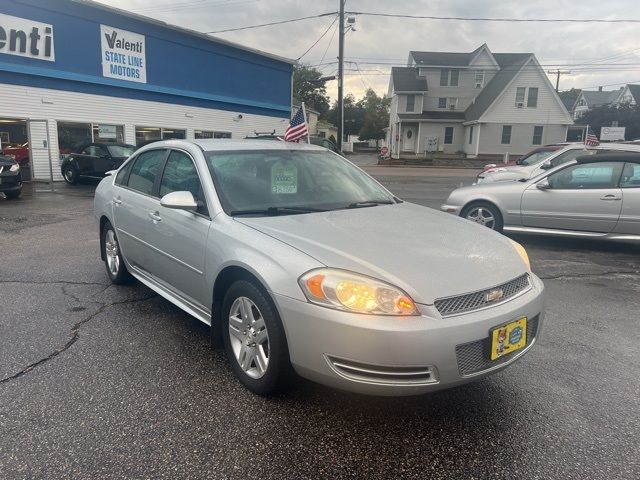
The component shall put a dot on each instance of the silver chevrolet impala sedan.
(593, 196)
(300, 262)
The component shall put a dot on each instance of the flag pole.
(304, 114)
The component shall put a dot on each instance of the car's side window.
(122, 175)
(89, 150)
(144, 171)
(179, 175)
(587, 176)
(570, 155)
(631, 176)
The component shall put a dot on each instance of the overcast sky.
(597, 51)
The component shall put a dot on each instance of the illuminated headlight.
(523, 253)
(348, 291)
(14, 168)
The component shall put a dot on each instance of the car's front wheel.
(70, 174)
(116, 269)
(254, 339)
(483, 213)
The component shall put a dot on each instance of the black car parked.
(10, 177)
(94, 160)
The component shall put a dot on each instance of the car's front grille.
(379, 374)
(483, 298)
(474, 357)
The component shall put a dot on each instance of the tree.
(308, 89)
(626, 115)
(569, 97)
(353, 115)
(376, 116)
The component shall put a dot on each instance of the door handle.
(610, 197)
(117, 201)
(155, 216)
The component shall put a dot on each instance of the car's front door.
(629, 222)
(132, 201)
(102, 161)
(178, 236)
(581, 197)
(84, 161)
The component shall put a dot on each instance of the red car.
(20, 153)
(534, 156)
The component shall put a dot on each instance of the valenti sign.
(123, 55)
(26, 38)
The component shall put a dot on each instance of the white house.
(478, 103)
(588, 100)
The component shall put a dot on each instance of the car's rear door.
(179, 237)
(582, 197)
(133, 200)
(629, 222)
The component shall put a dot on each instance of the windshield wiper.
(370, 203)
(275, 211)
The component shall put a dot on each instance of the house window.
(479, 79)
(537, 135)
(453, 103)
(442, 102)
(444, 78)
(448, 135)
(520, 91)
(506, 134)
(470, 134)
(449, 78)
(411, 102)
(532, 99)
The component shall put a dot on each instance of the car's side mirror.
(543, 185)
(182, 200)
(546, 165)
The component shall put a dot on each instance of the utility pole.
(559, 72)
(341, 75)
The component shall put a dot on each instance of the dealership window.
(448, 135)
(105, 133)
(442, 102)
(203, 134)
(506, 135)
(470, 134)
(532, 99)
(73, 136)
(411, 103)
(520, 91)
(145, 135)
(537, 135)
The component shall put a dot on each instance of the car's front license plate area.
(508, 338)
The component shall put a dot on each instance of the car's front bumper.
(381, 355)
(10, 182)
(454, 209)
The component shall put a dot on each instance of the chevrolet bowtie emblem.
(494, 295)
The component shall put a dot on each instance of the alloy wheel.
(483, 216)
(111, 252)
(248, 337)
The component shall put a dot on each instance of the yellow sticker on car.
(508, 338)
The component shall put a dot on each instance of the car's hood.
(428, 253)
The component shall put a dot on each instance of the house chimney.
(599, 89)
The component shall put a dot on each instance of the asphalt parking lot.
(101, 381)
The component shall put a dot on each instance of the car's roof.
(226, 144)
(632, 157)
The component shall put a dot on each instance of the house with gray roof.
(630, 95)
(478, 103)
(588, 99)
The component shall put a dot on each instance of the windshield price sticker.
(284, 178)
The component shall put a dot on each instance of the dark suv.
(10, 177)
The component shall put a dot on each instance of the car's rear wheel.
(70, 174)
(483, 213)
(254, 339)
(116, 269)
(13, 194)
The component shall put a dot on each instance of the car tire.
(14, 194)
(114, 262)
(254, 339)
(70, 174)
(483, 213)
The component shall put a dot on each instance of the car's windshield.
(274, 181)
(121, 150)
(535, 157)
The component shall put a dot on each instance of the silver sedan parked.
(301, 262)
(595, 196)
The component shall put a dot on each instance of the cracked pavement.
(102, 381)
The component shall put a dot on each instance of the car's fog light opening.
(382, 374)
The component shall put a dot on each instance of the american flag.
(297, 127)
(591, 139)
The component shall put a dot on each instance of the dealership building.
(75, 71)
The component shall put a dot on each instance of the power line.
(487, 19)
(329, 44)
(320, 38)
(273, 23)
